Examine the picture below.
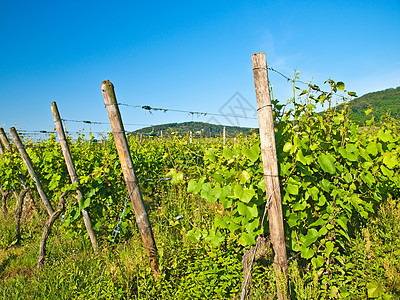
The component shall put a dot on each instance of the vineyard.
(205, 200)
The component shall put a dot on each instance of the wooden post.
(22, 180)
(4, 196)
(18, 214)
(224, 136)
(29, 166)
(271, 176)
(191, 137)
(4, 140)
(1, 148)
(72, 172)
(128, 170)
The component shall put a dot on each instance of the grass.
(189, 270)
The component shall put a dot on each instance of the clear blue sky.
(190, 55)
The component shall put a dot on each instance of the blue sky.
(182, 54)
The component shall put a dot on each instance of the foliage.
(197, 129)
(380, 102)
(339, 186)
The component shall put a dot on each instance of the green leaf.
(311, 237)
(244, 176)
(194, 186)
(368, 178)
(374, 289)
(251, 226)
(292, 189)
(287, 147)
(386, 171)
(247, 239)
(317, 262)
(177, 177)
(206, 193)
(323, 231)
(210, 155)
(340, 86)
(390, 160)
(217, 177)
(325, 185)
(327, 163)
(305, 160)
(329, 247)
(299, 205)
(249, 211)
(228, 154)
(292, 220)
(85, 204)
(55, 180)
(306, 252)
(251, 154)
(244, 194)
(342, 222)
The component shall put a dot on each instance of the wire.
(104, 123)
(198, 113)
(312, 86)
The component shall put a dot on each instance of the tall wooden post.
(128, 169)
(4, 140)
(32, 173)
(271, 176)
(72, 172)
(191, 137)
(22, 179)
(224, 136)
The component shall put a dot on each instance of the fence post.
(4, 140)
(29, 166)
(270, 169)
(191, 137)
(72, 173)
(22, 180)
(128, 169)
(224, 136)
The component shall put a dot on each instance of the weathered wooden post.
(224, 136)
(128, 169)
(31, 171)
(191, 137)
(72, 172)
(4, 140)
(271, 176)
(22, 180)
(18, 214)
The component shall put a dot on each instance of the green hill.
(197, 128)
(381, 103)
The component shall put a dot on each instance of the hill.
(198, 129)
(381, 103)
